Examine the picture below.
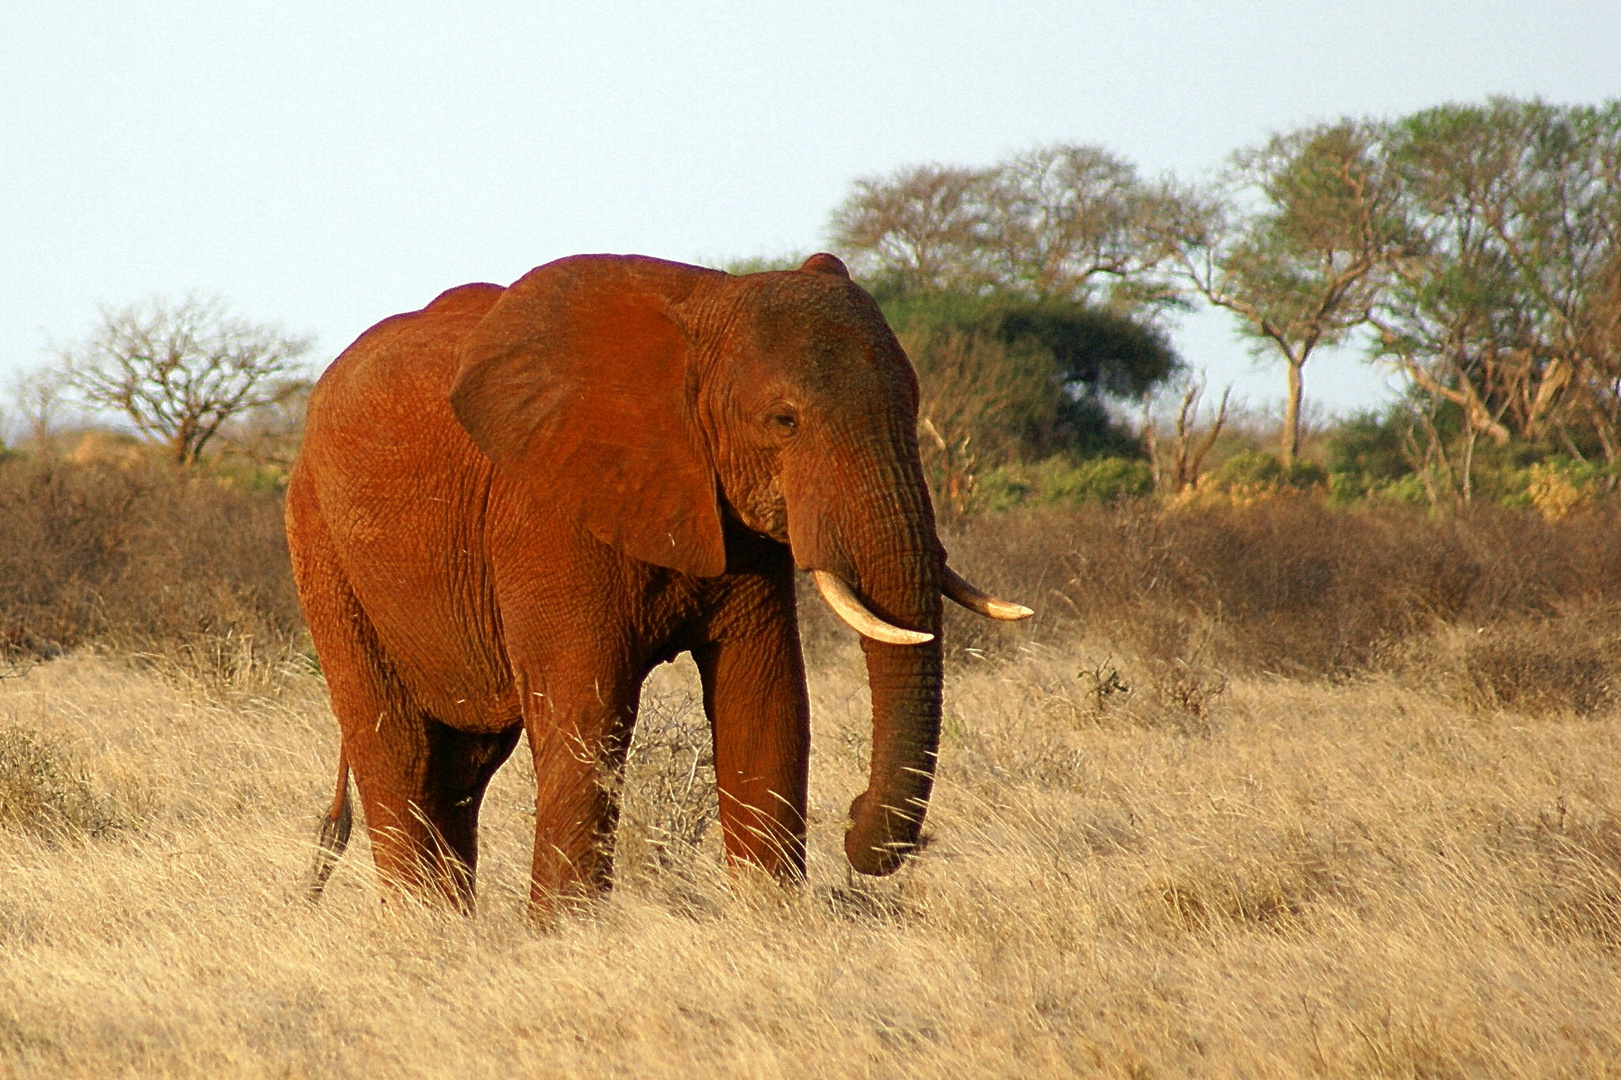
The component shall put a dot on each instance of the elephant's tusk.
(970, 596)
(842, 599)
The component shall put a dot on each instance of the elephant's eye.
(783, 421)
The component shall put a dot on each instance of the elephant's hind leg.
(461, 764)
(420, 781)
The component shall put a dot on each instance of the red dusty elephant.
(512, 504)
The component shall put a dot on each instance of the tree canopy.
(1072, 357)
(1509, 302)
(1065, 222)
(1026, 294)
(1473, 248)
(1296, 240)
(180, 371)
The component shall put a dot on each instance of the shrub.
(145, 558)
(45, 793)
(1059, 481)
(140, 556)
(1368, 446)
(1567, 664)
(1287, 586)
(1256, 471)
(1406, 490)
(1561, 485)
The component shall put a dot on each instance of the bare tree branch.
(180, 371)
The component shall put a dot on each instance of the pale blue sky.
(325, 165)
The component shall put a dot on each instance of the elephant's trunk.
(865, 517)
(887, 818)
(900, 580)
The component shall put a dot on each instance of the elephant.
(512, 504)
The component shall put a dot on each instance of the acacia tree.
(1026, 293)
(181, 371)
(1296, 240)
(1505, 308)
(921, 227)
(1070, 222)
(1063, 222)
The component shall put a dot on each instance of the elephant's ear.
(823, 263)
(577, 383)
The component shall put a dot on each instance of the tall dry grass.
(1274, 793)
(1302, 879)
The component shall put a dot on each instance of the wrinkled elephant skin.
(513, 503)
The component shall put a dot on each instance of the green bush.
(1365, 455)
(1059, 481)
(1257, 470)
(1518, 476)
(1556, 486)
(1405, 490)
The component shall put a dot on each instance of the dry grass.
(1129, 876)
(1266, 791)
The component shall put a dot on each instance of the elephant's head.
(654, 398)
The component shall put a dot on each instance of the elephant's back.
(379, 429)
(404, 362)
(401, 492)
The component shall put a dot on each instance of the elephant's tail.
(334, 836)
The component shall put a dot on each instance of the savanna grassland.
(1268, 790)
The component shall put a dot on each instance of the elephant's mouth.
(763, 510)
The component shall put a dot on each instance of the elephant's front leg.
(754, 693)
(579, 728)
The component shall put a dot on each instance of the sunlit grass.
(1292, 879)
